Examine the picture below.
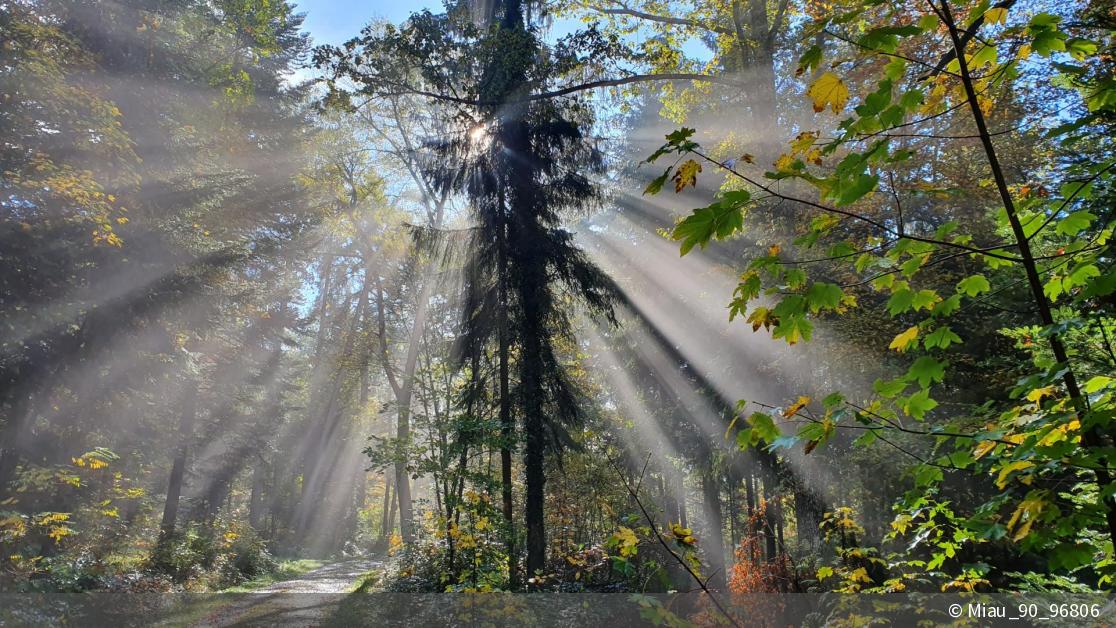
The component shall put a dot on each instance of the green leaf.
(1103, 285)
(657, 183)
(809, 60)
(900, 301)
(746, 439)
(926, 370)
(1081, 49)
(1075, 223)
(1080, 276)
(924, 299)
(1076, 189)
(847, 192)
(973, 285)
(680, 137)
(947, 307)
(866, 439)
(918, 404)
(941, 338)
(822, 295)
(889, 388)
(793, 329)
(961, 458)
(1097, 383)
(1048, 40)
(720, 220)
(926, 475)
(794, 278)
(764, 426)
(895, 68)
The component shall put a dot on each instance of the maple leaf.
(801, 403)
(829, 91)
(686, 175)
(903, 341)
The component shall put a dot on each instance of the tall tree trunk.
(385, 525)
(392, 508)
(808, 510)
(178, 467)
(256, 501)
(715, 543)
(507, 422)
(770, 512)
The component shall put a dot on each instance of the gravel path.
(304, 601)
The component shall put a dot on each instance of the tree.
(1049, 245)
(515, 162)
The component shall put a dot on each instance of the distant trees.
(521, 165)
(151, 223)
(1009, 255)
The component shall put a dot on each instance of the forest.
(726, 299)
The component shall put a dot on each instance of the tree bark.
(178, 467)
(715, 536)
(507, 422)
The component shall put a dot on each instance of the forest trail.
(303, 601)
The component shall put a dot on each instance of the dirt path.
(303, 601)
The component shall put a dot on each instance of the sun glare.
(478, 135)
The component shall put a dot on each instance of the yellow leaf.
(983, 448)
(903, 341)
(995, 15)
(804, 141)
(798, 405)
(829, 91)
(1037, 394)
(762, 317)
(686, 175)
(731, 424)
(1026, 513)
(1008, 469)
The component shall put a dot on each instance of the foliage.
(1045, 248)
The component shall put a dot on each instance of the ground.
(303, 601)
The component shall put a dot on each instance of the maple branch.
(1070, 198)
(966, 37)
(401, 89)
(659, 537)
(853, 215)
(626, 11)
(780, 13)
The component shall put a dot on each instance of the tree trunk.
(178, 467)
(507, 422)
(385, 524)
(770, 512)
(256, 502)
(715, 543)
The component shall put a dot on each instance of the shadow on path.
(304, 601)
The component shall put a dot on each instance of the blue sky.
(335, 21)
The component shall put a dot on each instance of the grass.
(288, 569)
(197, 609)
(368, 581)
